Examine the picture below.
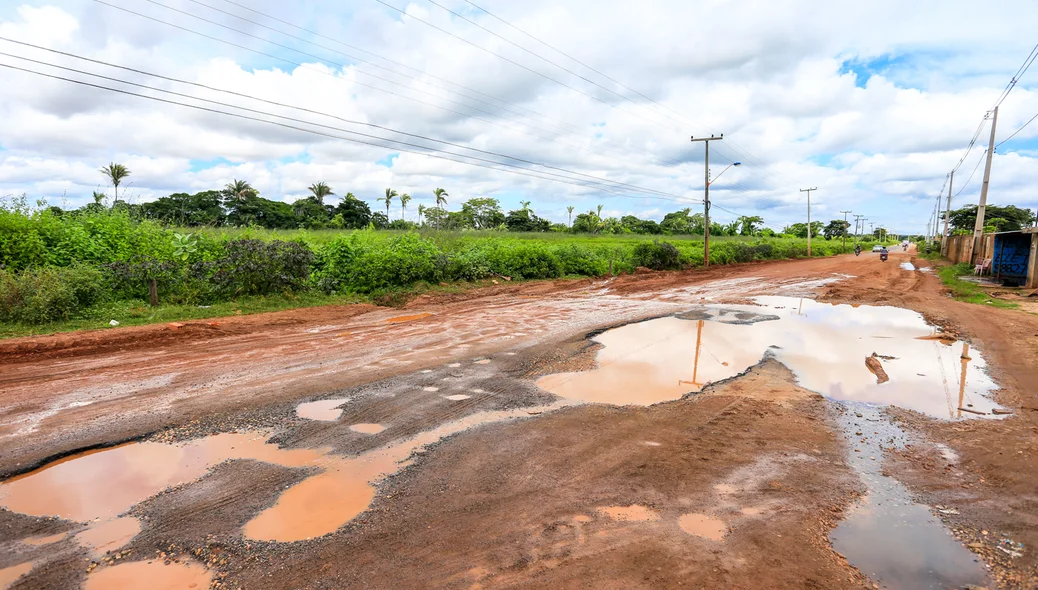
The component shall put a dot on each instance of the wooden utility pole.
(947, 213)
(808, 191)
(978, 228)
(706, 194)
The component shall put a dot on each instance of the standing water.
(862, 357)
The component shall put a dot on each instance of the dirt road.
(431, 457)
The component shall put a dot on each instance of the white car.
(877, 248)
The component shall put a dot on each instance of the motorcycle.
(883, 256)
(857, 250)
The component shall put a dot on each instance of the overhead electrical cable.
(333, 76)
(593, 182)
(746, 154)
(274, 103)
(1031, 120)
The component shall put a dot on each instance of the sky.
(570, 103)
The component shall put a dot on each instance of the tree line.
(240, 204)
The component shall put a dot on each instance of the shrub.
(657, 255)
(523, 260)
(585, 261)
(254, 267)
(50, 293)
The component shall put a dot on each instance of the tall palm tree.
(404, 200)
(320, 191)
(525, 204)
(388, 199)
(570, 211)
(421, 212)
(599, 211)
(441, 197)
(239, 190)
(115, 174)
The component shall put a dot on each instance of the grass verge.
(967, 291)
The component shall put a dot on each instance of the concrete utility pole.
(808, 191)
(978, 229)
(857, 219)
(846, 224)
(706, 194)
(947, 213)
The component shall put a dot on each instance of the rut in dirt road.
(487, 441)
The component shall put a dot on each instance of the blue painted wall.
(1011, 255)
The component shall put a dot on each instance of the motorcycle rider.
(883, 253)
(857, 249)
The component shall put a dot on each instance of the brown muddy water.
(859, 356)
(98, 487)
(826, 347)
(325, 410)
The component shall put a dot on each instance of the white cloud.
(770, 76)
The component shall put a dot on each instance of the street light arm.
(725, 170)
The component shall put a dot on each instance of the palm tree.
(115, 174)
(99, 197)
(421, 211)
(320, 191)
(404, 200)
(525, 204)
(239, 190)
(570, 211)
(388, 200)
(599, 211)
(441, 197)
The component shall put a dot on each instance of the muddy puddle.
(325, 410)
(99, 487)
(880, 355)
(895, 541)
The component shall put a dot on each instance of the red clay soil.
(520, 503)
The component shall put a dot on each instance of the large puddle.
(864, 357)
(880, 355)
(98, 487)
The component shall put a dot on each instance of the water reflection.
(826, 347)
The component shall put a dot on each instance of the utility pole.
(947, 212)
(808, 191)
(978, 229)
(857, 219)
(846, 224)
(706, 194)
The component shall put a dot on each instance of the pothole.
(859, 356)
(326, 410)
(835, 350)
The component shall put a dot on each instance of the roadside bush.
(49, 293)
(583, 261)
(254, 267)
(129, 279)
(657, 256)
(524, 261)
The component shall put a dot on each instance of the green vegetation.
(996, 219)
(967, 291)
(216, 252)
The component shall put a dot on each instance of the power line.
(350, 121)
(1031, 120)
(607, 77)
(558, 123)
(975, 168)
(487, 163)
(1016, 77)
(324, 73)
(512, 61)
